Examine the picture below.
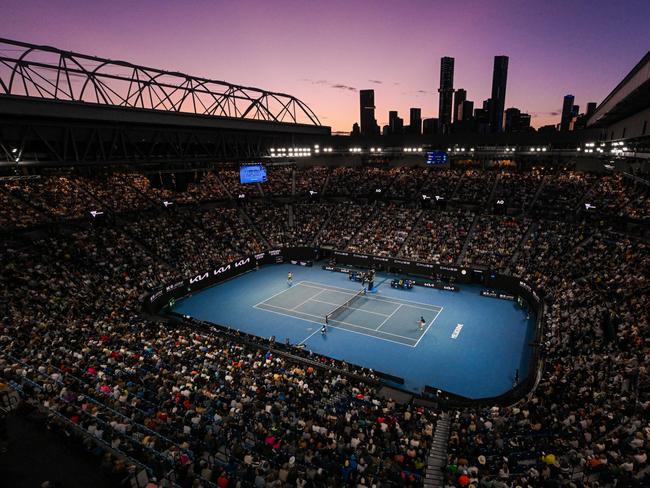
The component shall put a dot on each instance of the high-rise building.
(446, 91)
(367, 113)
(512, 119)
(515, 121)
(395, 123)
(465, 110)
(459, 97)
(591, 108)
(429, 127)
(482, 117)
(415, 121)
(499, 82)
(567, 113)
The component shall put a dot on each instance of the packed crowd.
(385, 232)
(312, 178)
(209, 406)
(439, 236)
(217, 409)
(44, 199)
(475, 187)
(494, 241)
(192, 240)
(562, 194)
(587, 421)
(517, 190)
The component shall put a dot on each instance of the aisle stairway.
(434, 477)
(470, 234)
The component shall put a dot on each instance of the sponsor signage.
(497, 294)
(453, 269)
(512, 287)
(437, 285)
(198, 278)
(174, 286)
(155, 296)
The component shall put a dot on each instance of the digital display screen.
(437, 157)
(254, 173)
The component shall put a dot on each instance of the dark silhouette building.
(465, 111)
(367, 113)
(482, 118)
(430, 126)
(395, 123)
(567, 113)
(446, 91)
(591, 108)
(459, 97)
(415, 121)
(499, 82)
(515, 121)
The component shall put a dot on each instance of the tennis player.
(422, 322)
(290, 278)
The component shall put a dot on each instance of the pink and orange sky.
(324, 52)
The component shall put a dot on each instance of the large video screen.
(253, 173)
(437, 157)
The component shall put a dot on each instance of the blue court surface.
(469, 345)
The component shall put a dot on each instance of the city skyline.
(327, 54)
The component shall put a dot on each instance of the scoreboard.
(252, 173)
(437, 157)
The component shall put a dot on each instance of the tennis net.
(338, 310)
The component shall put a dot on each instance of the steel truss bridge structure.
(64, 108)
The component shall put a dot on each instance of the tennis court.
(471, 345)
(388, 319)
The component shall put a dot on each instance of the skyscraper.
(499, 82)
(429, 126)
(512, 119)
(465, 111)
(415, 121)
(459, 97)
(591, 108)
(446, 91)
(567, 113)
(395, 123)
(367, 112)
(515, 121)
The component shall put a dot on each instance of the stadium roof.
(630, 96)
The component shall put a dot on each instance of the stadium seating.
(215, 408)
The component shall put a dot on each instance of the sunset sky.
(324, 52)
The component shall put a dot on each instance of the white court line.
(279, 293)
(332, 327)
(394, 301)
(334, 320)
(351, 308)
(310, 298)
(428, 327)
(308, 337)
(389, 316)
